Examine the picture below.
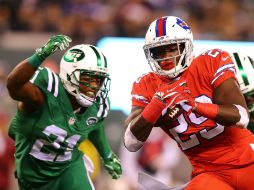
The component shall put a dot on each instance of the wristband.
(207, 109)
(153, 110)
(34, 61)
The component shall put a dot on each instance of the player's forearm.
(232, 115)
(141, 128)
(136, 133)
(143, 123)
(99, 140)
(140, 123)
(227, 115)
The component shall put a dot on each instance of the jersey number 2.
(61, 137)
(183, 126)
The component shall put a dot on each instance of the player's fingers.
(67, 38)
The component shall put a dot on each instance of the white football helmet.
(245, 75)
(165, 31)
(84, 60)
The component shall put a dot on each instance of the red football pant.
(231, 179)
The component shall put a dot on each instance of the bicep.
(228, 93)
(28, 93)
(30, 98)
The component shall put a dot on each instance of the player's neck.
(74, 104)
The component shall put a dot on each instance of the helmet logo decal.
(160, 28)
(74, 55)
(182, 24)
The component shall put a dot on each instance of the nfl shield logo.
(72, 121)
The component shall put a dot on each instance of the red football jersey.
(208, 145)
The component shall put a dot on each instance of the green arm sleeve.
(98, 138)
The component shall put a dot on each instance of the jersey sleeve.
(46, 80)
(221, 67)
(100, 141)
(138, 94)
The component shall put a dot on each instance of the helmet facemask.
(88, 85)
(179, 60)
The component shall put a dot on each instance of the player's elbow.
(11, 88)
(131, 142)
(11, 85)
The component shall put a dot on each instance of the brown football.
(170, 116)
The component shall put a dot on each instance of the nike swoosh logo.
(224, 58)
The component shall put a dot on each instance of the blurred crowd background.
(25, 24)
(89, 20)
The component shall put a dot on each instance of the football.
(169, 116)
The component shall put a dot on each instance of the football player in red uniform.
(210, 113)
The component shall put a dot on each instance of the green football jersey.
(47, 140)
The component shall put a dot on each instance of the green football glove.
(55, 42)
(113, 166)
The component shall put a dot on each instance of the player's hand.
(53, 44)
(174, 94)
(113, 166)
(187, 98)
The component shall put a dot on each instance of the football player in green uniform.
(57, 112)
(245, 77)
